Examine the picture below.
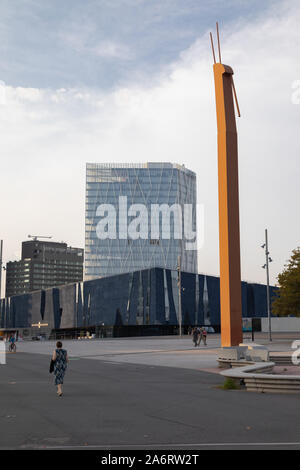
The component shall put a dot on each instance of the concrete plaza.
(138, 393)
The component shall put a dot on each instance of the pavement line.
(164, 446)
(127, 353)
(33, 382)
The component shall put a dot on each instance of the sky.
(132, 81)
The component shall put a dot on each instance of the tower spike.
(235, 98)
(219, 47)
(212, 46)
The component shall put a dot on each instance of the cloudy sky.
(131, 81)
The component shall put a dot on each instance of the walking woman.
(60, 358)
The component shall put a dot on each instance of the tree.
(287, 301)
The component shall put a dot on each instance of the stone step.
(281, 359)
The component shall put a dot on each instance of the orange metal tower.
(229, 231)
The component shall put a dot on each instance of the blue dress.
(60, 366)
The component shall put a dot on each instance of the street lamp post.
(266, 267)
(1, 253)
(179, 296)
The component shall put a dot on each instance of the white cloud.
(110, 49)
(82, 39)
(48, 135)
(32, 95)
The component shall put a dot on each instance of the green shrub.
(230, 384)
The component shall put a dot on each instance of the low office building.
(43, 265)
(136, 303)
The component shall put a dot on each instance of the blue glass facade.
(139, 298)
(146, 185)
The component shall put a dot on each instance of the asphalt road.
(136, 406)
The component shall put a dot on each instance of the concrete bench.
(233, 354)
(245, 352)
(257, 378)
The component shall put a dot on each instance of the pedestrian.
(204, 336)
(195, 336)
(12, 343)
(12, 339)
(60, 359)
(199, 330)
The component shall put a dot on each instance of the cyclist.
(12, 344)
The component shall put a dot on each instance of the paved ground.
(115, 402)
(167, 351)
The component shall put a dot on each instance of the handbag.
(51, 368)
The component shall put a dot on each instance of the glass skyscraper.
(139, 216)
